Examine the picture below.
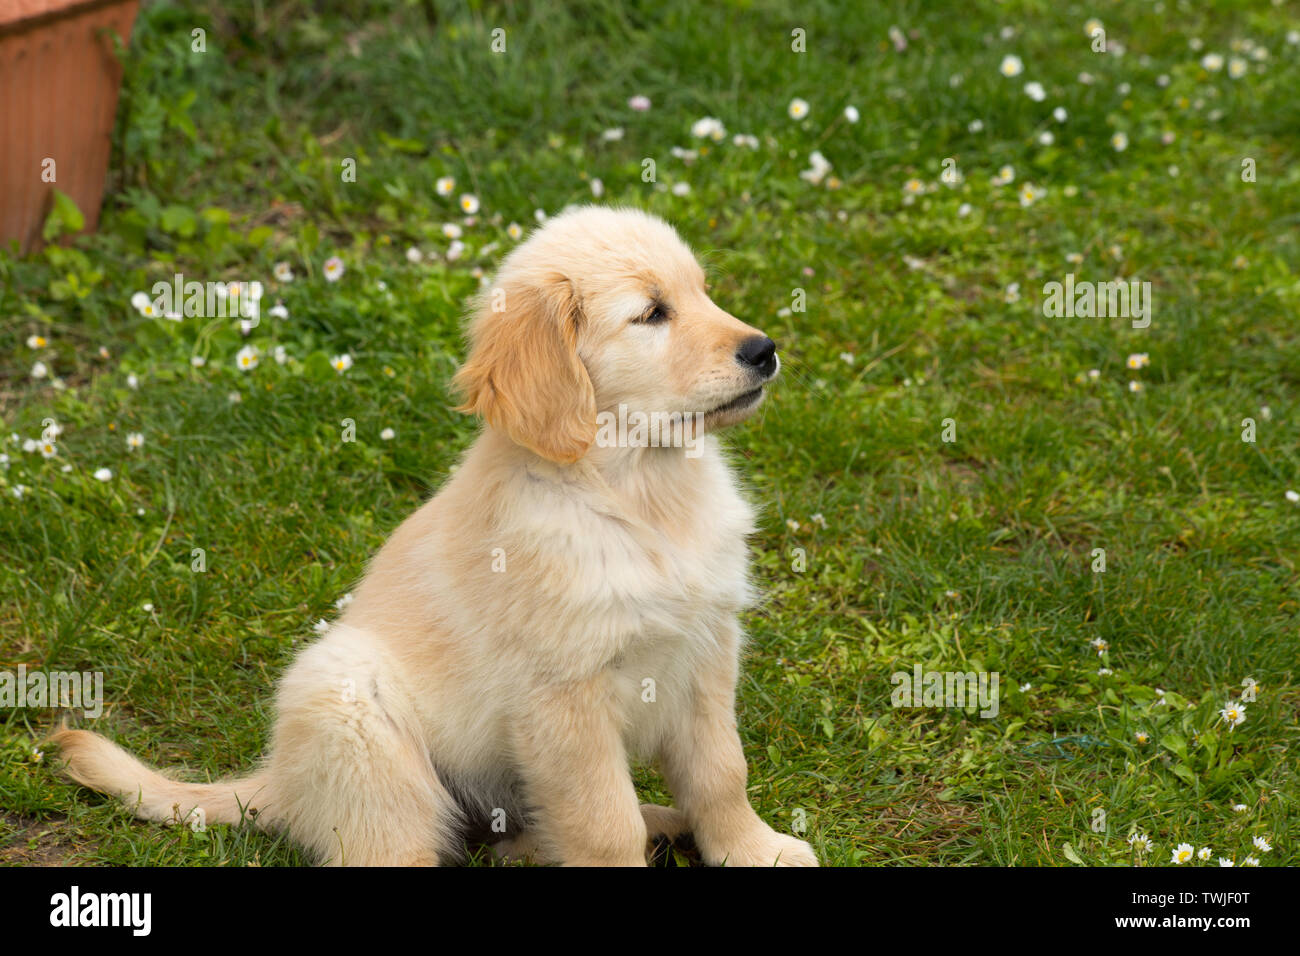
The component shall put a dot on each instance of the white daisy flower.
(515, 231)
(387, 434)
(455, 250)
(344, 601)
(445, 185)
(282, 272)
(1233, 714)
(1237, 67)
(818, 167)
(135, 440)
(1034, 90)
(1182, 853)
(1030, 194)
(1204, 853)
(1224, 861)
(1135, 386)
(1120, 142)
(851, 114)
(341, 363)
(451, 230)
(278, 311)
(1140, 842)
(710, 127)
(36, 342)
(1138, 360)
(1006, 174)
(1212, 62)
(47, 448)
(1011, 66)
(798, 108)
(681, 189)
(333, 269)
(1250, 861)
(597, 188)
(144, 305)
(246, 359)
(132, 381)
(1045, 138)
(639, 103)
(1059, 114)
(414, 255)
(469, 204)
(1262, 844)
(40, 370)
(975, 125)
(613, 134)
(103, 474)
(1293, 496)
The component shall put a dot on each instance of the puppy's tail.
(100, 764)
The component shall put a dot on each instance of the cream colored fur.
(452, 688)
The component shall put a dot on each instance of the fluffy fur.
(494, 662)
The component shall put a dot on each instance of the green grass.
(968, 555)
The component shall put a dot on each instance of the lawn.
(945, 468)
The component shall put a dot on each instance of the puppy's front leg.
(575, 769)
(704, 766)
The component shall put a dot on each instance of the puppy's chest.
(670, 582)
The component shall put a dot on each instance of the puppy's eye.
(654, 315)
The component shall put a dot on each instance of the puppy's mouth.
(736, 409)
(739, 402)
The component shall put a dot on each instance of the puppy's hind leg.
(355, 781)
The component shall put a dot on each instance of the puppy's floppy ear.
(523, 374)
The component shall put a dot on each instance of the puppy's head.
(601, 309)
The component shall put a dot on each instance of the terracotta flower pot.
(59, 83)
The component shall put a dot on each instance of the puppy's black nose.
(758, 353)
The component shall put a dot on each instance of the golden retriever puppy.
(566, 603)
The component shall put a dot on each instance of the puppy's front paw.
(763, 847)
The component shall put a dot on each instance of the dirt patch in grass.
(26, 841)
